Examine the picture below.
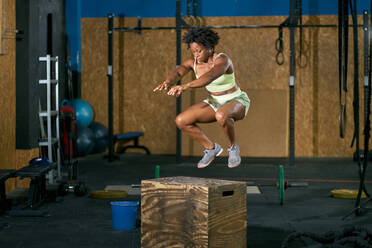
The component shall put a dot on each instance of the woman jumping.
(225, 104)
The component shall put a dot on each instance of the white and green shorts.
(218, 101)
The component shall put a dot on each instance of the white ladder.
(52, 115)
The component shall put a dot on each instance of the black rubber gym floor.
(74, 221)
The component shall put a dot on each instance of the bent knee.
(221, 117)
(180, 121)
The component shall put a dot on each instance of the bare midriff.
(233, 89)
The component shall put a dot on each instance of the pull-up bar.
(139, 28)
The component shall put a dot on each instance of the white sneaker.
(209, 155)
(234, 156)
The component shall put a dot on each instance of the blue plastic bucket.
(124, 214)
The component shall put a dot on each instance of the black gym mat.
(75, 221)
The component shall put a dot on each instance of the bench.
(37, 192)
(5, 204)
(129, 136)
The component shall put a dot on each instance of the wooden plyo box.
(193, 212)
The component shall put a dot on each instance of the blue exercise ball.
(83, 112)
(85, 141)
(101, 134)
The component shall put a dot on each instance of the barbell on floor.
(282, 184)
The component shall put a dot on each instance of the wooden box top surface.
(194, 181)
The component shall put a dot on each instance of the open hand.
(162, 86)
(176, 90)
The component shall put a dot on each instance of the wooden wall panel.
(94, 54)
(143, 61)
(7, 91)
(2, 25)
(7, 96)
(144, 110)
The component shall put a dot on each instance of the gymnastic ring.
(189, 20)
(197, 21)
(342, 120)
(200, 21)
(193, 21)
(186, 20)
(279, 58)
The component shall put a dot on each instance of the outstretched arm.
(220, 67)
(176, 75)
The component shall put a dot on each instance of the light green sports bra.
(222, 83)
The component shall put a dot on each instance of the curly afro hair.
(201, 35)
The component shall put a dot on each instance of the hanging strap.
(343, 27)
(356, 74)
(299, 15)
(279, 57)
